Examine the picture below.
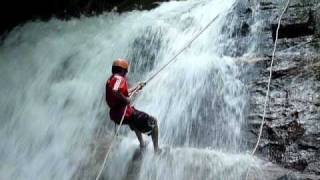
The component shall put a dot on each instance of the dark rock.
(314, 168)
(295, 160)
(13, 13)
(274, 172)
(296, 24)
(267, 5)
(245, 29)
(309, 142)
(316, 18)
(291, 134)
(234, 30)
(295, 131)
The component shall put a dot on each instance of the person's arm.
(130, 90)
(137, 87)
(119, 86)
(122, 98)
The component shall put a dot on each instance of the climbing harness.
(269, 81)
(147, 81)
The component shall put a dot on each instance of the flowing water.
(52, 96)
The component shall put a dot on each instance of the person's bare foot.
(157, 150)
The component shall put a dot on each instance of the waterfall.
(52, 104)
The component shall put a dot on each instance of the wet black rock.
(296, 22)
(13, 12)
(237, 30)
(274, 172)
(291, 134)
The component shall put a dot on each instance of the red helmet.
(121, 63)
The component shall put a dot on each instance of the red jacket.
(117, 83)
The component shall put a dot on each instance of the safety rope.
(183, 49)
(270, 75)
(145, 82)
(113, 138)
(109, 150)
(269, 82)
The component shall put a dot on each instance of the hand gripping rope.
(147, 81)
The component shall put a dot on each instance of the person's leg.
(137, 132)
(140, 138)
(145, 123)
(154, 135)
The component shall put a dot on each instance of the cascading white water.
(52, 104)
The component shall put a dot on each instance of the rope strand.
(109, 150)
(183, 49)
(113, 138)
(148, 80)
(269, 82)
(270, 75)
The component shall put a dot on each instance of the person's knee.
(131, 126)
(155, 121)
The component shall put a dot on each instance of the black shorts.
(141, 121)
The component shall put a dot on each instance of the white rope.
(270, 75)
(113, 138)
(269, 81)
(171, 60)
(109, 150)
(184, 48)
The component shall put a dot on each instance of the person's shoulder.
(120, 77)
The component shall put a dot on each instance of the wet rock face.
(291, 134)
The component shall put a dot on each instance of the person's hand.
(128, 100)
(136, 88)
(141, 85)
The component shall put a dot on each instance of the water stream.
(52, 103)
